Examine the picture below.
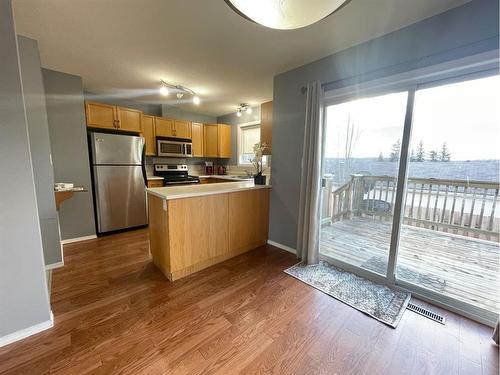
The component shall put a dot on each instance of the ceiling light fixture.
(164, 90)
(244, 107)
(285, 14)
(179, 90)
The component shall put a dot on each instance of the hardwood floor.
(115, 313)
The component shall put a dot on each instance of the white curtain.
(310, 187)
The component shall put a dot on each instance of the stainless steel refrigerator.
(119, 179)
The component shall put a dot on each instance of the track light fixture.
(180, 91)
(244, 107)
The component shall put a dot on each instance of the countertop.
(154, 178)
(197, 190)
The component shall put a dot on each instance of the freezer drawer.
(120, 197)
(116, 149)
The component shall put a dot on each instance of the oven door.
(170, 148)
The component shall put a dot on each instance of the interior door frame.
(471, 67)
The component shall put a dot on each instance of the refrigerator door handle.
(143, 165)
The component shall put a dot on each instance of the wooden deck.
(460, 267)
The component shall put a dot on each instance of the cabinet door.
(224, 141)
(148, 131)
(210, 143)
(129, 119)
(155, 183)
(164, 127)
(197, 138)
(182, 129)
(266, 121)
(100, 115)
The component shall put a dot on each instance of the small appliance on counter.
(221, 170)
(174, 174)
(209, 168)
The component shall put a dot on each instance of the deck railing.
(468, 208)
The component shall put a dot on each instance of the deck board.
(460, 267)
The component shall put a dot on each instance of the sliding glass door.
(449, 238)
(411, 190)
(360, 168)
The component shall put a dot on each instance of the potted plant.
(258, 148)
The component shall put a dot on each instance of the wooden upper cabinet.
(164, 127)
(266, 121)
(148, 132)
(105, 116)
(182, 129)
(128, 119)
(197, 138)
(100, 115)
(224, 141)
(210, 140)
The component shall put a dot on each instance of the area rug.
(378, 301)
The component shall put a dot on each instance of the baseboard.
(54, 265)
(283, 247)
(78, 239)
(23, 333)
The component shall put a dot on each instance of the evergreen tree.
(433, 155)
(412, 156)
(396, 149)
(445, 153)
(380, 157)
(420, 156)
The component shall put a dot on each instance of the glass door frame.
(477, 66)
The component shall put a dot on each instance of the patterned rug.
(378, 301)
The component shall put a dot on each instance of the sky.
(465, 115)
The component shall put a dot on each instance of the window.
(248, 136)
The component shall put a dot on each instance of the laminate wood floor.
(115, 313)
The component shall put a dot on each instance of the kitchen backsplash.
(196, 166)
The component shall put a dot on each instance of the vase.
(259, 179)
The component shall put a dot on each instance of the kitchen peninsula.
(195, 226)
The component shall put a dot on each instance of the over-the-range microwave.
(174, 147)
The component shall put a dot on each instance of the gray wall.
(149, 109)
(466, 30)
(177, 113)
(23, 292)
(232, 119)
(68, 140)
(38, 129)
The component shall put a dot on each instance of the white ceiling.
(125, 47)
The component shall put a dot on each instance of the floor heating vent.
(427, 313)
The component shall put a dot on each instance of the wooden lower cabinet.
(190, 234)
(155, 183)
